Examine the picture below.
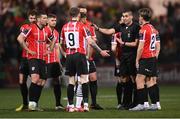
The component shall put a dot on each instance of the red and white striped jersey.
(92, 31)
(24, 52)
(37, 39)
(149, 35)
(74, 35)
(118, 47)
(90, 28)
(54, 55)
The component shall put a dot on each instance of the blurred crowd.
(103, 13)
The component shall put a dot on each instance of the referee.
(129, 42)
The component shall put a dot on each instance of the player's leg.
(36, 83)
(82, 71)
(153, 92)
(23, 75)
(144, 70)
(140, 81)
(54, 73)
(93, 85)
(157, 93)
(153, 88)
(79, 96)
(71, 72)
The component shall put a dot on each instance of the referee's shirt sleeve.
(117, 27)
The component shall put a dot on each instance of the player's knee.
(72, 80)
(140, 81)
(84, 79)
(149, 83)
(92, 76)
(35, 78)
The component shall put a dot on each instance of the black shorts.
(92, 66)
(76, 64)
(53, 70)
(38, 66)
(117, 70)
(148, 67)
(24, 67)
(128, 64)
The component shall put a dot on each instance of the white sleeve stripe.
(113, 42)
(85, 32)
(88, 36)
(27, 33)
(144, 35)
(23, 34)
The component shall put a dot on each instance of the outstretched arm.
(104, 30)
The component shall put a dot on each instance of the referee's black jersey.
(128, 34)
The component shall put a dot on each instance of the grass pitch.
(10, 99)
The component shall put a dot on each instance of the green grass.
(10, 99)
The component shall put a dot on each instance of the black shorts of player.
(127, 65)
(24, 67)
(76, 64)
(92, 66)
(38, 66)
(148, 67)
(53, 70)
(117, 70)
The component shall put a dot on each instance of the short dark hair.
(32, 12)
(40, 12)
(74, 11)
(52, 16)
(128, 11)
(146, 13)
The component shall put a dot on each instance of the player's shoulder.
(142, 29)
(155, 30)
(25, 25)
(32, 26)
(55, 31)
(88, 22)
(65, 25)
(81, 25)
(47, 28)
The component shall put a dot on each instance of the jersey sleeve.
(57, 39)
(157, 37)
(50, 34)
(62, 36)
(26, 31)
(142, 34)
(92, 30)
(113, 40)
(86, 32)
(117, 27)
